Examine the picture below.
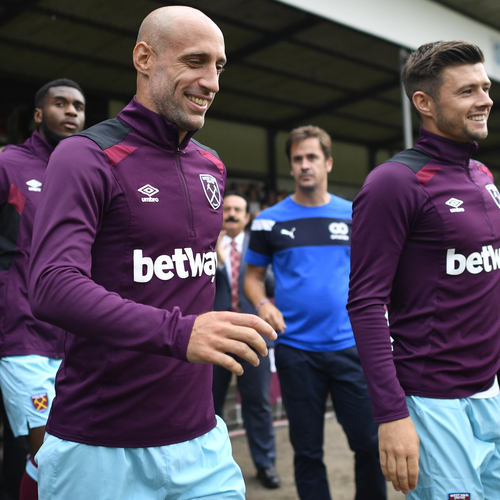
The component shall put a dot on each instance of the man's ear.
(142, 56)
(329, 164)
(38, 115)
(424, 103)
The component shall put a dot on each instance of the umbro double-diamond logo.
(455, 205)
(34, 185)
(149, 191)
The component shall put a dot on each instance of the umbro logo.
(149, 191)
(290, 233)
(34, 185)
(455, 205)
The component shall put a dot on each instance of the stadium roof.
(286, 67)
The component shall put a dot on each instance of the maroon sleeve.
(383, 214)
(78, 189)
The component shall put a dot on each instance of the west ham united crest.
(494, 193)
(40, 402)
(211, 189)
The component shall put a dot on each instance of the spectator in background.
(30, 350)
(254, 200)
(254, 383)
(306, 238)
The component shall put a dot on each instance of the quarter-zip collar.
(41, 148)
(153, 126)
(446, 150)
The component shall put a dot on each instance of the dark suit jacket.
(222, 300)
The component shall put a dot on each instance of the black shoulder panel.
(107, 133)
(413, 158)
(10, 220)
(206, 148)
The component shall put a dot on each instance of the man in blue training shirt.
(306, 238)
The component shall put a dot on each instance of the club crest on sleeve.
(40, 402)
(459, 496)
(211, 189)
(493, 190)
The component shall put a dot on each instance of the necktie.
(235, 273)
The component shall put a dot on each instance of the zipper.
(186, 192)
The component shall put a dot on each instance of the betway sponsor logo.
(487, 260)
(182, 263)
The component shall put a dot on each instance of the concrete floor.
(338, 459)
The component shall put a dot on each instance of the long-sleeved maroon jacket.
(123, 260)
(426, 245)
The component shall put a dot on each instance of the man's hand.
(215, 334)
(272, 315)
(255, 290)
(399, 453)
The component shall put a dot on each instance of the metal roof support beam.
(405, 104)
(340, 103)
(272, 164)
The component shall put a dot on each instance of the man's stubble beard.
(51, 137)
(164, 101)
(445, 124)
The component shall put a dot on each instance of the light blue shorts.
(27, 384)
(459, 448)
(200, 468)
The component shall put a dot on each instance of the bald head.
(164, 25)
(179, 56)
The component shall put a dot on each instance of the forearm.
(374, 347)
(70, 279)
(254, 285)
(383, 214)
(255, 290)
(75, 303)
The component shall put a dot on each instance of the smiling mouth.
(479, 118)
(197, 100)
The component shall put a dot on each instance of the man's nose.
(71, 110)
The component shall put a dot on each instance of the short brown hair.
(306, 132)
(424, 68)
